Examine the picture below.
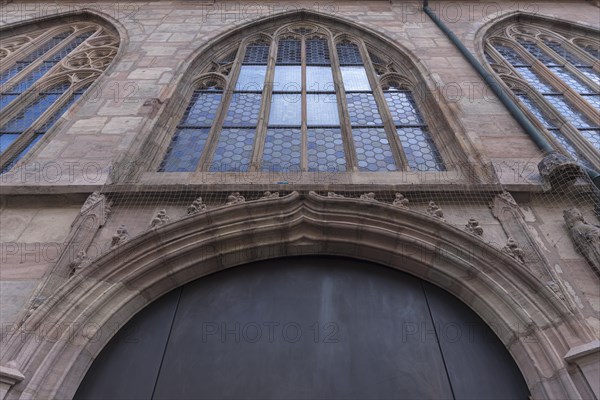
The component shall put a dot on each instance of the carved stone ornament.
(196, 207)
(368, 196)
(334, 195)
(512, 249)
(552, 285)
(435, 211)
(585, 236)
(400, 201)
(559, 171)
(270, 195)
(120, 237)
(160, 219)
(473, 227)
(235, 198)
(80, 262)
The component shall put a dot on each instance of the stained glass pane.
(403, 108)
(289, 51)
(355, 78)
(29, 114)
(568, 146)
(32, 77)
(257, 53)
(70, 47)
(202, 109)
(286, 110)
(590, 73)
(363, 109)
(288, 78)
(570, 79)
(234, 150)
(185, 150)
(594, 100)
(592, 135)
(5, 99)
(373, 150)
(535, 110)
(317, 52)
(564, 53)
(535, 80)
(592, 50)
(40, 51)
(348, 54)
(59, 113)
(282, 150)
(569, 112)
(12, 71)
(251, 78)
(420, 150)
(325, 150)
(243, 110)
(510, 55)
(6, 139)
(322, 110)
(319, 79)
(538, 53)
(35, 139)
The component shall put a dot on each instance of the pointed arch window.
(43, 73)
(555, 75)
(302, 99)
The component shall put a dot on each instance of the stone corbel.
(587, 358)
(9, 376)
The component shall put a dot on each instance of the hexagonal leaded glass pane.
(421, 153)
(286, 110)
(510, 55)
(202, 109)
(325, 150)
(538, 53)
(590, 73)
(234, 150)
(363, 109)
(566, 54)
(535, 110)
(569, 112)
(251, 78)
(535, 80)
(185, 150)
(403, 108)
(568, 146)
(322, 110)
(287, 78)
(373, 150)
(570, 79)
(592, 135)
(319, 79)
(282, 150)
(594, 100)
(355, 78)
(243, 110)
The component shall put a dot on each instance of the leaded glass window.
(555, 75)
(302, 100)
(42, 74)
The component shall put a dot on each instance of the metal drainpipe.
(516, 112)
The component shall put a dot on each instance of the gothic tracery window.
(302, 99)
(555, 75)
(43, 72)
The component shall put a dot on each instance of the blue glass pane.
(420, 150)
(535, 110)
(363, 109)
(40, 51)
(185, 150)
(251, 78)
(373, 150)
(569, 112)
(233, 151)
(348, 54)
(355, 78)
(243, 110)
(286, 110)
(70, 47)
(5, 99)
(289, 51)
(592, 50)
(59, 113)
(510, 55)
(282, 150)
(325, 150)
(590, 73)
(594, 100)
(35, 139)
(571, 80)
(257, 53)
(403, 108)
(592, 135)
(538, 53)
(29, 114)
(532, 77)
(12, 71)
(564, 53)
(319, 79)
(568, 146)
(202, 109)
(317, 52)
(6, 139)
(31, 78)
(322, 110)
(287, 78)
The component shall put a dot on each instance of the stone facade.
(90, 186)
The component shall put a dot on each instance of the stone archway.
(57, 344)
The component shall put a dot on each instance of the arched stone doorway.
(305, 327)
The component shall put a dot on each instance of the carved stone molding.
(9, 376)
(558, 171)
(585, 236)
(270, 195)
(587, 358)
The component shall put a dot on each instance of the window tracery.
(43, 73)
(555, 75)
(303, 98)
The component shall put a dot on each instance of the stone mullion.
(344, 115)
(265, 109)
(304, 117)
(384, 110)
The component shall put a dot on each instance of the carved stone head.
(572, 216)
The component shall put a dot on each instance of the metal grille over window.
(31, 102)
(560, 72)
